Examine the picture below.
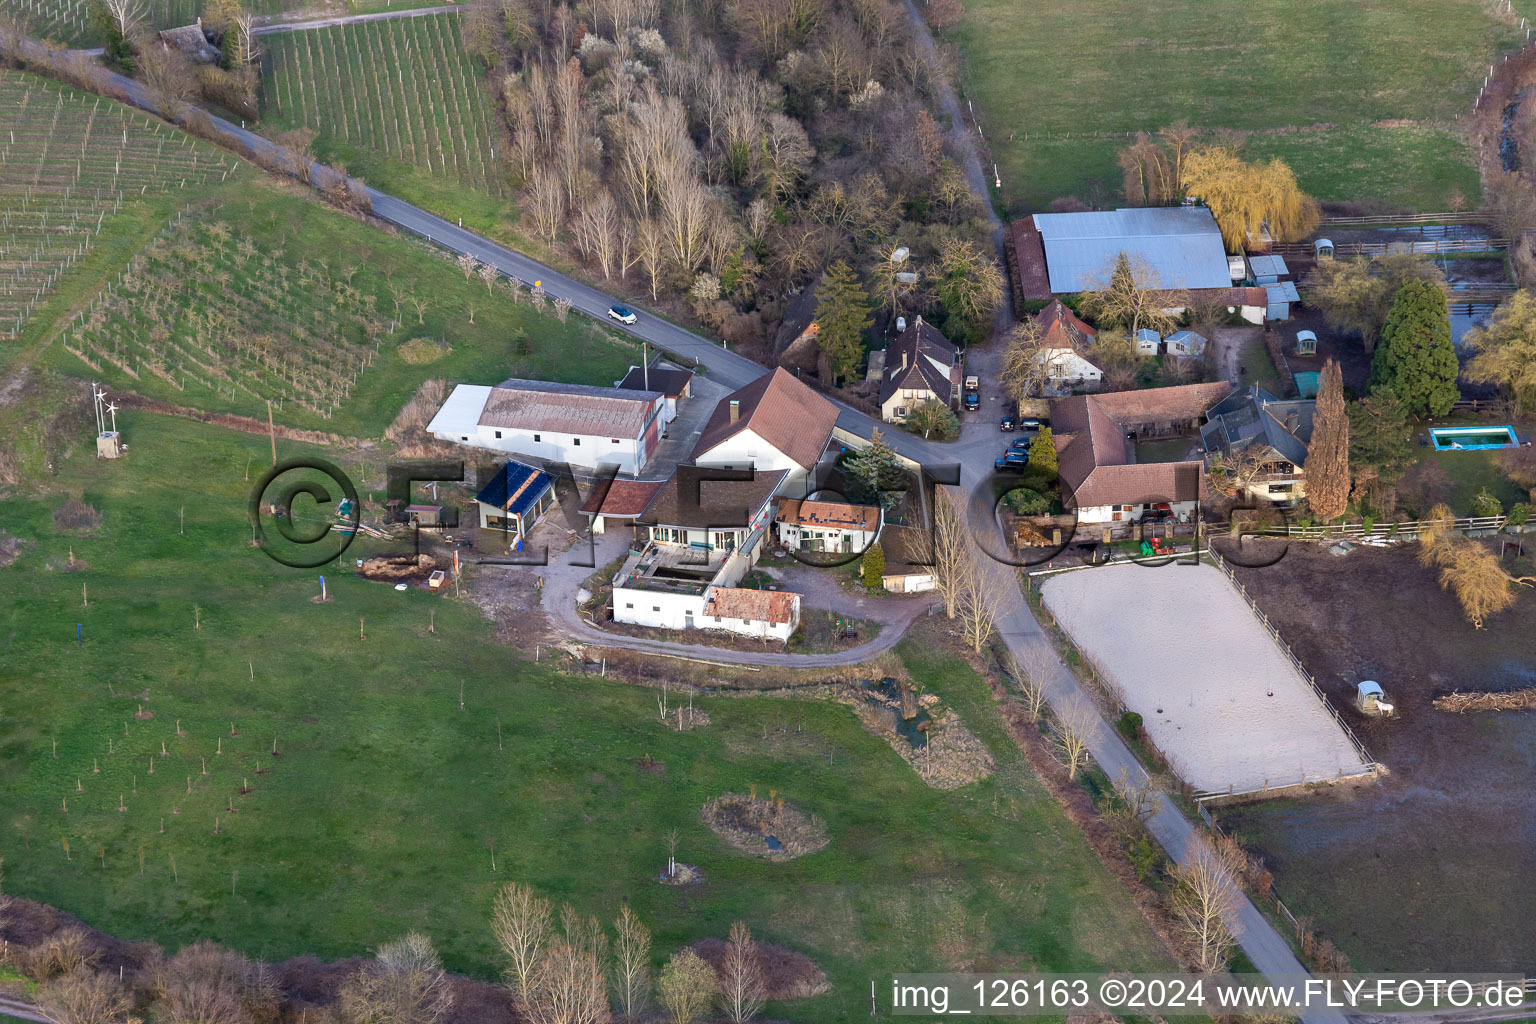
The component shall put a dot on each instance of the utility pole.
(271, 432)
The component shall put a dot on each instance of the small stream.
(1509, 148)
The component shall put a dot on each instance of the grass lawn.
(271, 261)
(1256, 367)
(1372, 123)
(1470, 473)
(382, 809)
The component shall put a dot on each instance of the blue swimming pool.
(1446, 439)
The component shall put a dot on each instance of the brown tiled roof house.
(1095, 460)
(781, 410)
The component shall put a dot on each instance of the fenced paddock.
(1219, 696)
(402, 89)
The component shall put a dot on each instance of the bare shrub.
(405, 984)
(76, 516)
(83, 996)
(206, 984)
(420, 351)
(65, 951)
(414, 416)
(687, 986)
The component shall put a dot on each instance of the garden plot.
(1216, 694)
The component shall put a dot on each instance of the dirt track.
(1430, 868)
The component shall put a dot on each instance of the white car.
(623, 314)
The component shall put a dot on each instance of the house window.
(535, 437)
(655, 607)
(463, 438)
(747, 621)
(576, 441)
(901, 410)
(615, 440)
(498, 433)
(629, 604)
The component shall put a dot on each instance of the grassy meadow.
(382, 808)
(1360, 96)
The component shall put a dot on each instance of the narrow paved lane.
(268, 28)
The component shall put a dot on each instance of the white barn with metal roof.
(1181, 244)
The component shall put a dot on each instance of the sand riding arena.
(1217, 695)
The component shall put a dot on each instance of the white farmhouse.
(1064, 341)
(831, 527)
(577, 424)
(775, 423)
(698, 537)
(921, 365)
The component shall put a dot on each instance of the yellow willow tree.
(1244, 197)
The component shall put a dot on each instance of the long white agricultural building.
(572, 423)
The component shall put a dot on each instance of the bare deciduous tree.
(686, 987)
(566, 987)
(741, 976)
(1205, 898)
(1025, 368)
(651, 246)
(544, 199)
(631, 963)
(980, 587)
(205, 984)
(406, 984)
(127, 15)
(170, 77)
(1030, 669)
(950, 551)
(521, 921)
(489, 274)
(1072, 727)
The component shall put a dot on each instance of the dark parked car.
(1031, 424)
(1020, 445)
(972, 401)
(1007, 423)
(1011, 462)
(1161, 512)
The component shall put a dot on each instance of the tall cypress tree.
(842, 316)
(1416, 358)
(1328, 451)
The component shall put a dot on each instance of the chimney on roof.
(1292, 421)
(735, 410)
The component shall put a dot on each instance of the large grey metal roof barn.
(1181, 244)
